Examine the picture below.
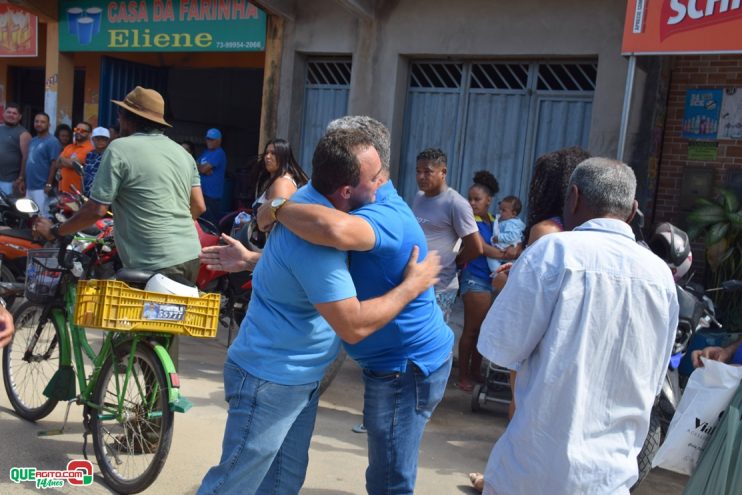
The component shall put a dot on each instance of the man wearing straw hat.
(153, 186)
(152, 183)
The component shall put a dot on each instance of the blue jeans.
(266, 441)
(397, 406)
(6, 187)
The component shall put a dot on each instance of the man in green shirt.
(153, 186)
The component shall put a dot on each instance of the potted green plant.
(719, 221)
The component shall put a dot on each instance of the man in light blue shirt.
(212, 165)
(587, 319)
(406, 364)
(301, 293)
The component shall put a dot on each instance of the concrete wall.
(468, 29)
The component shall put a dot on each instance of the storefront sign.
(161, 26)
(682, 26)
(704, 151)
(701, 115)
(18, 32)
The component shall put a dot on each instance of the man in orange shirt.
(77, 150)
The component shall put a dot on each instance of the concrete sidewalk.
(456, 441)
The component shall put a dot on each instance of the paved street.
(457, 441)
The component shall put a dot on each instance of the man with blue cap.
(211, 166)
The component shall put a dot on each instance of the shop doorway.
(196, 100)
(26, 87)
(495, 115)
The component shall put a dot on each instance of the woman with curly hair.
(548, 190)
(476, 291)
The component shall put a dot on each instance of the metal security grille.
(440, 75)
(328, 72)
(567, 77)
(499, 76)
(494, 115)
(326, 90)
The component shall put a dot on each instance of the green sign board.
(161, 26)
(703, 150)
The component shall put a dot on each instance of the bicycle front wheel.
(133, 425)
(30, 361)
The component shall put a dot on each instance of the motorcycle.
(14, 246)
(696, 315)
(235, 288)
(12, 212)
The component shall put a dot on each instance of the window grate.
(567, 77)
(436, 75)
(329, 72)
(499, 76)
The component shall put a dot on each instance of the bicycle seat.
(24, 234)
(134, 276)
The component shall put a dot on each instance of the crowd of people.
(542, 298)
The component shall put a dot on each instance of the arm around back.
(354, 320)
(327, 226)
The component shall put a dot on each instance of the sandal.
(477, 481)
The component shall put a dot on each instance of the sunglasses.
(81, 130)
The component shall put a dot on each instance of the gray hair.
(377, 133)
(608, 186)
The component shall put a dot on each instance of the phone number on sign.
(239, 44)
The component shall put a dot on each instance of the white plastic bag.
(709, 391)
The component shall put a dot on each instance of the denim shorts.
(470, 283)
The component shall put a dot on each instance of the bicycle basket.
(42, 279)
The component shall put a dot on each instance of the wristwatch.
(276, 205)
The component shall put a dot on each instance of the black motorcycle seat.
(24, 234)
(134, 276)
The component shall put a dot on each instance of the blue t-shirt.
(213, 185)
(419, 333)
(41, 152)
(283, 339)
(478, 266)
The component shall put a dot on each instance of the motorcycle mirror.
(25, 205)
(77, 167)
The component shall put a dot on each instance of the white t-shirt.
(588, 320)
(445, 219)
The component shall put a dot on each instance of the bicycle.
(130, 397)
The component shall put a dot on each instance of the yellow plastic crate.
(113, 305)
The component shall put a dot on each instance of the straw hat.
(146, 103)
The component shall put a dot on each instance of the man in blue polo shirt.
(273, 368)
(406, 364)
(212, 164)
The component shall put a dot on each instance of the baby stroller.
(496, 388)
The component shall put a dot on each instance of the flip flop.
(477, 481)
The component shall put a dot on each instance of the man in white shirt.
(587, 319)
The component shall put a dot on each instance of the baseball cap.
(101, 132)
(213, 134)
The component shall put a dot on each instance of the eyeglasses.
(81, 130)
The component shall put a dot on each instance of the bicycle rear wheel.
(131, 445)
(30, 361)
